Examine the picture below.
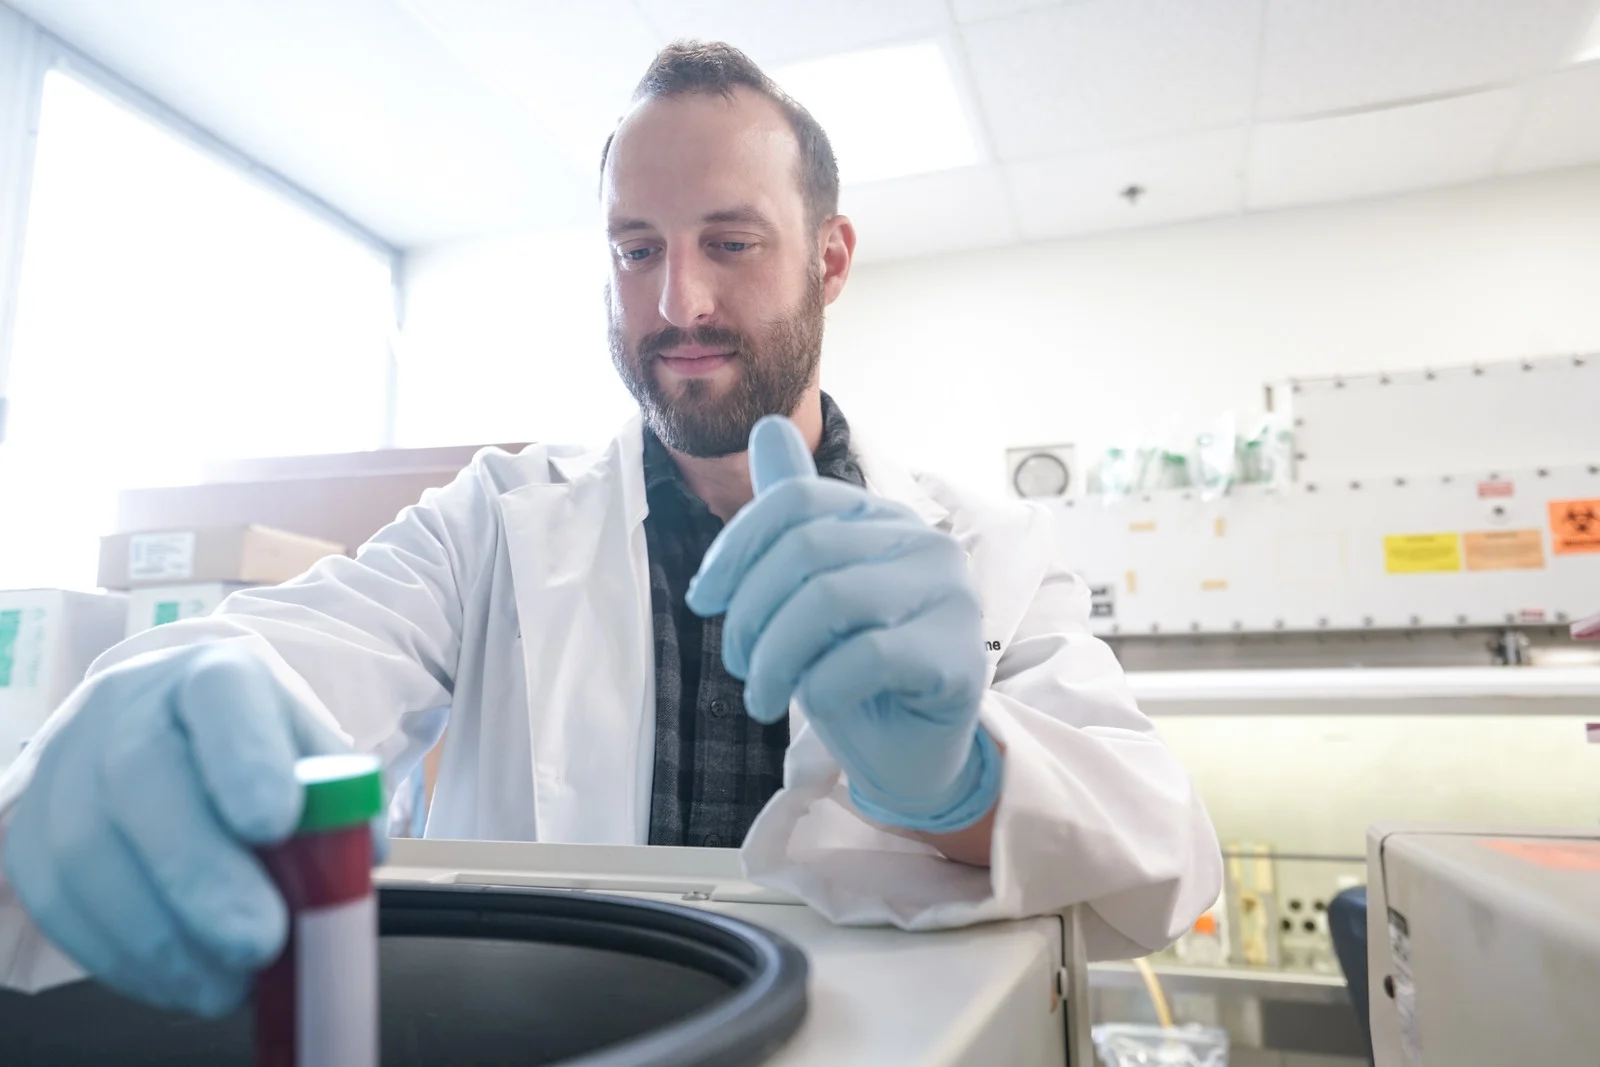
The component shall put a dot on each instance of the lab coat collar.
(623, 458)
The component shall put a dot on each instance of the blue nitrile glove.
(131, 846)
(868, 615)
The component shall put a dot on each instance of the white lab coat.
(517, 601)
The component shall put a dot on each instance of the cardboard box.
(48, 638)
(346, 497)
(157, 605)
(252, 555)
(345, 509)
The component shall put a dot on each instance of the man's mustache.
(653, 345)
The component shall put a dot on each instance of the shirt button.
(712, 841)
(719, 708)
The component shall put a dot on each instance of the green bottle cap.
(340, 791)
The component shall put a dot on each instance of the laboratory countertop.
(1550, 690)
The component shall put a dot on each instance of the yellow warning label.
(1574, 526)
(1504, 550)
(1422, 553)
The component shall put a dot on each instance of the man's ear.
(838, 243)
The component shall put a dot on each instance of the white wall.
(1115, 337)
(505, 341)
(947, 360)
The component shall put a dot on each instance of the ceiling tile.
(775, 32)
(1088, 75)
(1197, 176)
(1562, 126)
(353, 101)
(980, 10)
(524, 49)
(1394, 150)
(1328, 55)
(940, 212)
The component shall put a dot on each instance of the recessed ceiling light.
(889, 112)
(1590, 49)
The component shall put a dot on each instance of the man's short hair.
(685, 67)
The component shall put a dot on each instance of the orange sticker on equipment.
(1574, 526)
(1552, 855)
(1504, 550)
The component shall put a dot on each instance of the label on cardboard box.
(22, 634)
(10, 624)
(161, 557)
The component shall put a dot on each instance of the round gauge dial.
(1041, 475)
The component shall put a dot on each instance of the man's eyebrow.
(618, 227)
(744, 214)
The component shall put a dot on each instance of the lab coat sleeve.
(368, 644)
(1094, 809)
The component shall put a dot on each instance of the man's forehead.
(702, 151)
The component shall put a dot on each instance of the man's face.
(716, 297)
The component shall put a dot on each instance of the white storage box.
(159, 604)
(48, 638)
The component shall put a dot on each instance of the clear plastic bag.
(1116, 474)
(1213, 462)
(1134, 1045)
(1266, 457)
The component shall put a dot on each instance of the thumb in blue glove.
(131, 846)
(868, 616)
(778, 454)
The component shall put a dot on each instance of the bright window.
(171, 310)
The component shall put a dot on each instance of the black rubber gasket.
(767, 972)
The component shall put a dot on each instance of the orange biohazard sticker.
(1552, 854)
(1574, 526)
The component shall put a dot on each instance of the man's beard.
(777, 366)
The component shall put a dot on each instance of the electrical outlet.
(1307, 887)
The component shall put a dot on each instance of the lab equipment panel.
(1484, 548)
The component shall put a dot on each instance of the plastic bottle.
(317, 1003)
(1204, 945)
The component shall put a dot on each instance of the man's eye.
(733, 246)
(636, 255)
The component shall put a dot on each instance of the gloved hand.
(868, 614)
(130, 848)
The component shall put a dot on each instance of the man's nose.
(687, 295)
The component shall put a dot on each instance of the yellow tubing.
(1157, 997)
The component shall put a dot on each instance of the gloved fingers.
(34, 856)
(827, 609)
(764, 520)
(242, 733)
(802, 554)
(144, 953)
(932, 666)
(83, 889)
(217, 892)
(778, 452)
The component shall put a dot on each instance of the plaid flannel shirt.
(715, 767)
